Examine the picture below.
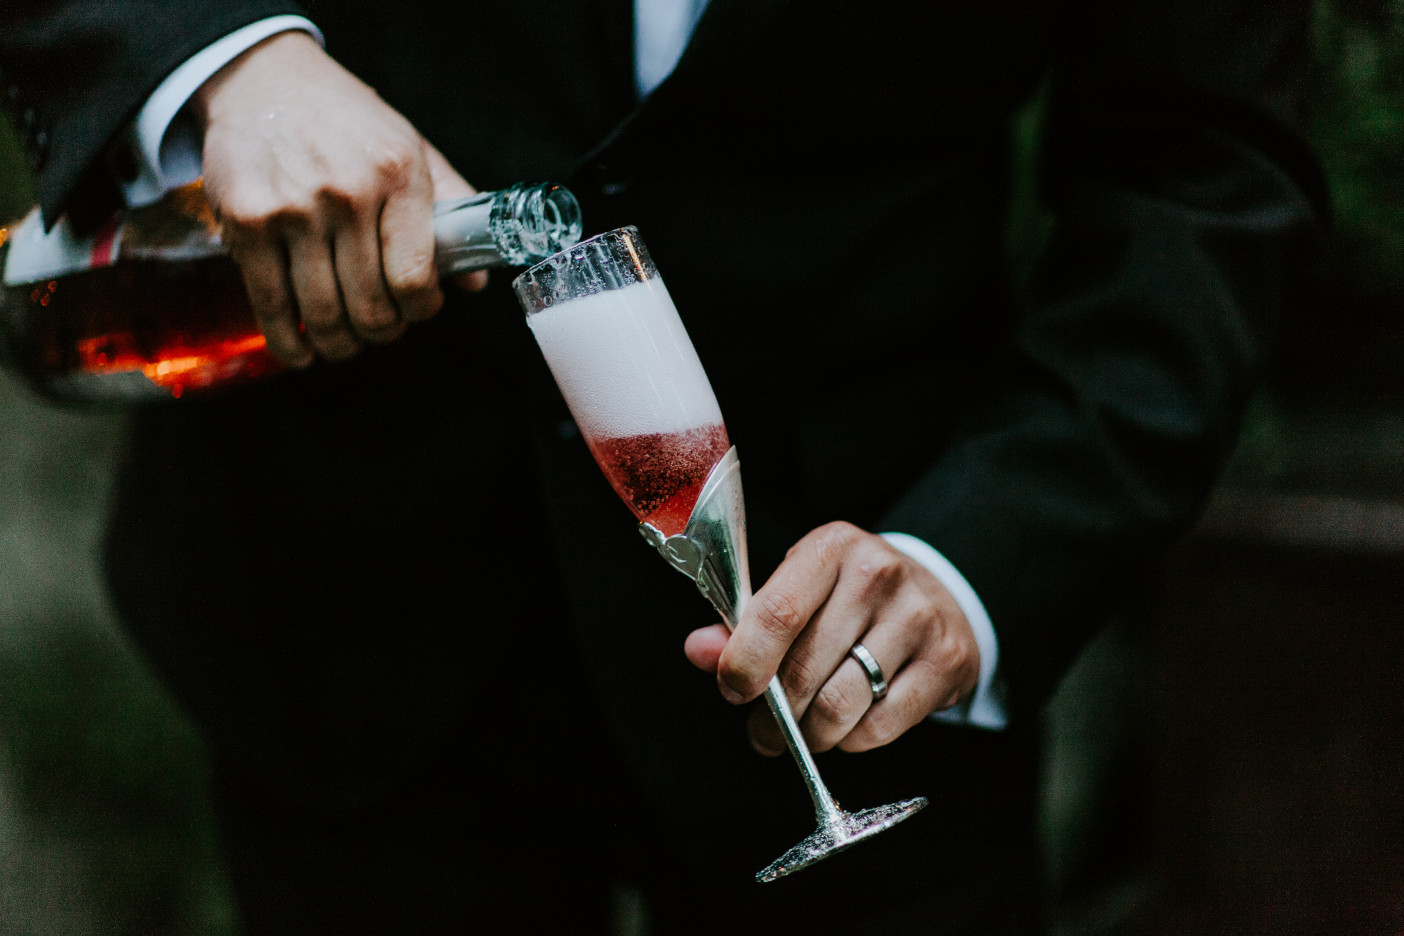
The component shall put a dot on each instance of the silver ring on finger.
(870, 666)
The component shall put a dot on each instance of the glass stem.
(826, 811)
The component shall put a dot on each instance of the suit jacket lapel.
(616, 18)
(725, 27)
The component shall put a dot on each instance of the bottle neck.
(462, 235)
(520, 225)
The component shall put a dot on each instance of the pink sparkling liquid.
(639, 394)
(660, 475)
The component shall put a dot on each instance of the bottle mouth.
(537, 221)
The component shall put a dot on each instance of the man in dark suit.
(401, 603)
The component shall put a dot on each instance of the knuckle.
(824, 541)
(397, 160)
(341, 200)
(799, 674)
(373, 315)
(940, 692)
(832, 541)
(778, 613)
(260, 215)
(883, 725)
(245, 222)
(834, 702)
(946, 701)
(879, 574)
(739, 678)
(960, 658)
(839, 533)
(413, 276)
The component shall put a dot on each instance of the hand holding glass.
(633, 382)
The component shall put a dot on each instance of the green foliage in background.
(16, 192)
(1358, 128)
(1356, 122)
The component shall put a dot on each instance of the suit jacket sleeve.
(1182, 195)
(74, 73)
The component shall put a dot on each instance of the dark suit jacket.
(825, 187)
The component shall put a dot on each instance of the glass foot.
(835, 835)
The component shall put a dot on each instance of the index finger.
(776, 614)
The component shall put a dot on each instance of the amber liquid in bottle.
(142, 328)
(152, 306)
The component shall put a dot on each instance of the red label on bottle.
(36, 255)
(104, 244)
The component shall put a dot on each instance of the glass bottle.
(152, 306)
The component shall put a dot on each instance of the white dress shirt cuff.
(662, 30)
(987, 707)
(164, 140)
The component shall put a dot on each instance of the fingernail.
(730, 694)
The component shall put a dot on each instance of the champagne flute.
(628, 371)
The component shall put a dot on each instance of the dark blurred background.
(1228, 757)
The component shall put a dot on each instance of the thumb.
(703, 647)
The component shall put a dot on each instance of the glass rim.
(627, 230)
(610, 260)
